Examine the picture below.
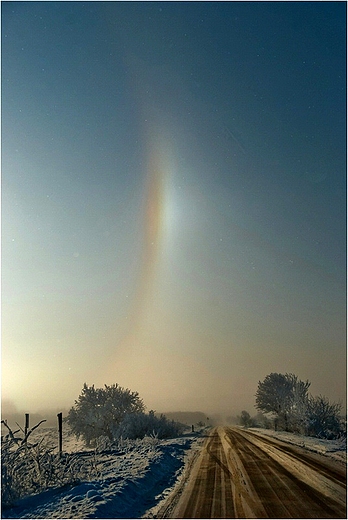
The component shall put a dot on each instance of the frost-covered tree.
(262, 421)
(324, 418)
(298, 416)
(99, 411)
(245, 419)
(282, 395)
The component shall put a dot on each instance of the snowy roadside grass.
(123, 481)
(334, 449)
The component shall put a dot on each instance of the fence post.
(60, 433)
(26, 425)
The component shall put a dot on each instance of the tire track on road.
(301, 456)
(282, 494)
(239, 475)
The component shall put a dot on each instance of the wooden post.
(60, 433)
(26, 425)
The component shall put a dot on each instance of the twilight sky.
(173, 200)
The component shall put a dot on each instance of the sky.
(173, 200)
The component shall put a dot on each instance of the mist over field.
(13, 415)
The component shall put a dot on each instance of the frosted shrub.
(103, 443)
(324, 419)
(28, 468)
(140, 425)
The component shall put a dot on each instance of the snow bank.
(124, 482)
(335, 449)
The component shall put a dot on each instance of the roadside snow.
(334, 449)
(134, 478)
(124, 482)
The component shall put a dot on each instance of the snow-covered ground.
(134, 478)
(335, 449)
(123, 482)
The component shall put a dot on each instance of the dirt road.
(239, 474)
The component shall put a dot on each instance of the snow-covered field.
(134, 478)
